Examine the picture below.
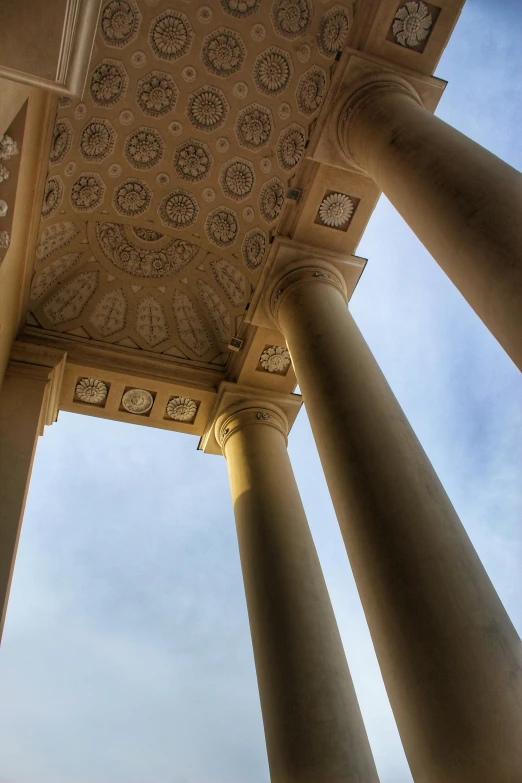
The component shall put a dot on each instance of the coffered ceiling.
(167, 179)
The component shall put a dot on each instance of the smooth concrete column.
(313, 725)
(463, 203)
(450, 657)
(27, 399)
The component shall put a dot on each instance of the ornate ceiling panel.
(166, 181)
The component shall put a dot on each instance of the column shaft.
(21, 402)
(462, 202)
(450, 657)
(313, 725)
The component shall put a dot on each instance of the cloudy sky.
(126, 655)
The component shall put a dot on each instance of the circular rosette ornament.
(91, 391)
(336, 210)
(137, 401)
(412, 24)
(182, 409)
(276, 359)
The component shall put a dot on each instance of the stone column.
(313, 725)
(28, 401)
(450, 657)
(462, 202)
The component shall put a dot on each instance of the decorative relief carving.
(412, 24)
(190, 327)
(138, 401)
(87, 192)
(222, 226)
(182, 409)
(237, 178)
(231, 280)
(126, 117)
(151, 321)
(62, 141)
(143, 262)
(189, 73)
(291, 18)
(108, 83)
(144, 147)
(110, 313)
(192, 160)
(272, 71)
(170, 35)
(3, 208)
(53, 194)
(8, 147)
(5, 240)
(311, 90)
(291, 147)
(216, 309)
(91, 391)
(275, 359)
(333, 30)
(240, 8)
(258, 32)
(69, 302)
(156, 94)
(223, 52)
(336, 210)
(207, 108)
(139, 59)
(44, 280)
(120, 20)
(271, 199)
(178, 210)
(97, 140)
(4, 173)
(254, 126)
(254, 249)
(54, 237)
(205, 14)
(147, 234)
(132, 197)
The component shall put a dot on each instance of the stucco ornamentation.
(254, 126)
(156, 94)
(272, 71)
(311, 90)
(61, 142)
(254, 249)
(222, 226)
(45, 280)
(87, 192)
(53, 194)
(182, 409)
(108, 83)
(223, 52)
(91, 390)
(291, 18)
(151, 321)
(271, 199)
(137, 401)
(144, 147)
(70, 301)
(192, 160)
(333, 30)
(143, 262)
(4, 173)
(231, 280)
(179, 209)
(5, 240)
(147, 234)
(8, 147)
(120, 20)
(237, 178)
(240, 8)
(97, 140)
(291, 147)
(54, 237)
(109, 315)
(412, 23)
(190, 327)
(132, 197)
(170, 35)
(216, 309)
(207, 108)
(275, 358)
(336, 209)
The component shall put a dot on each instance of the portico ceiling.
(168, 178)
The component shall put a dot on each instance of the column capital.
(248, 415)
(364, 92)
(300, 273)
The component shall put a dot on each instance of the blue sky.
(126, 655)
